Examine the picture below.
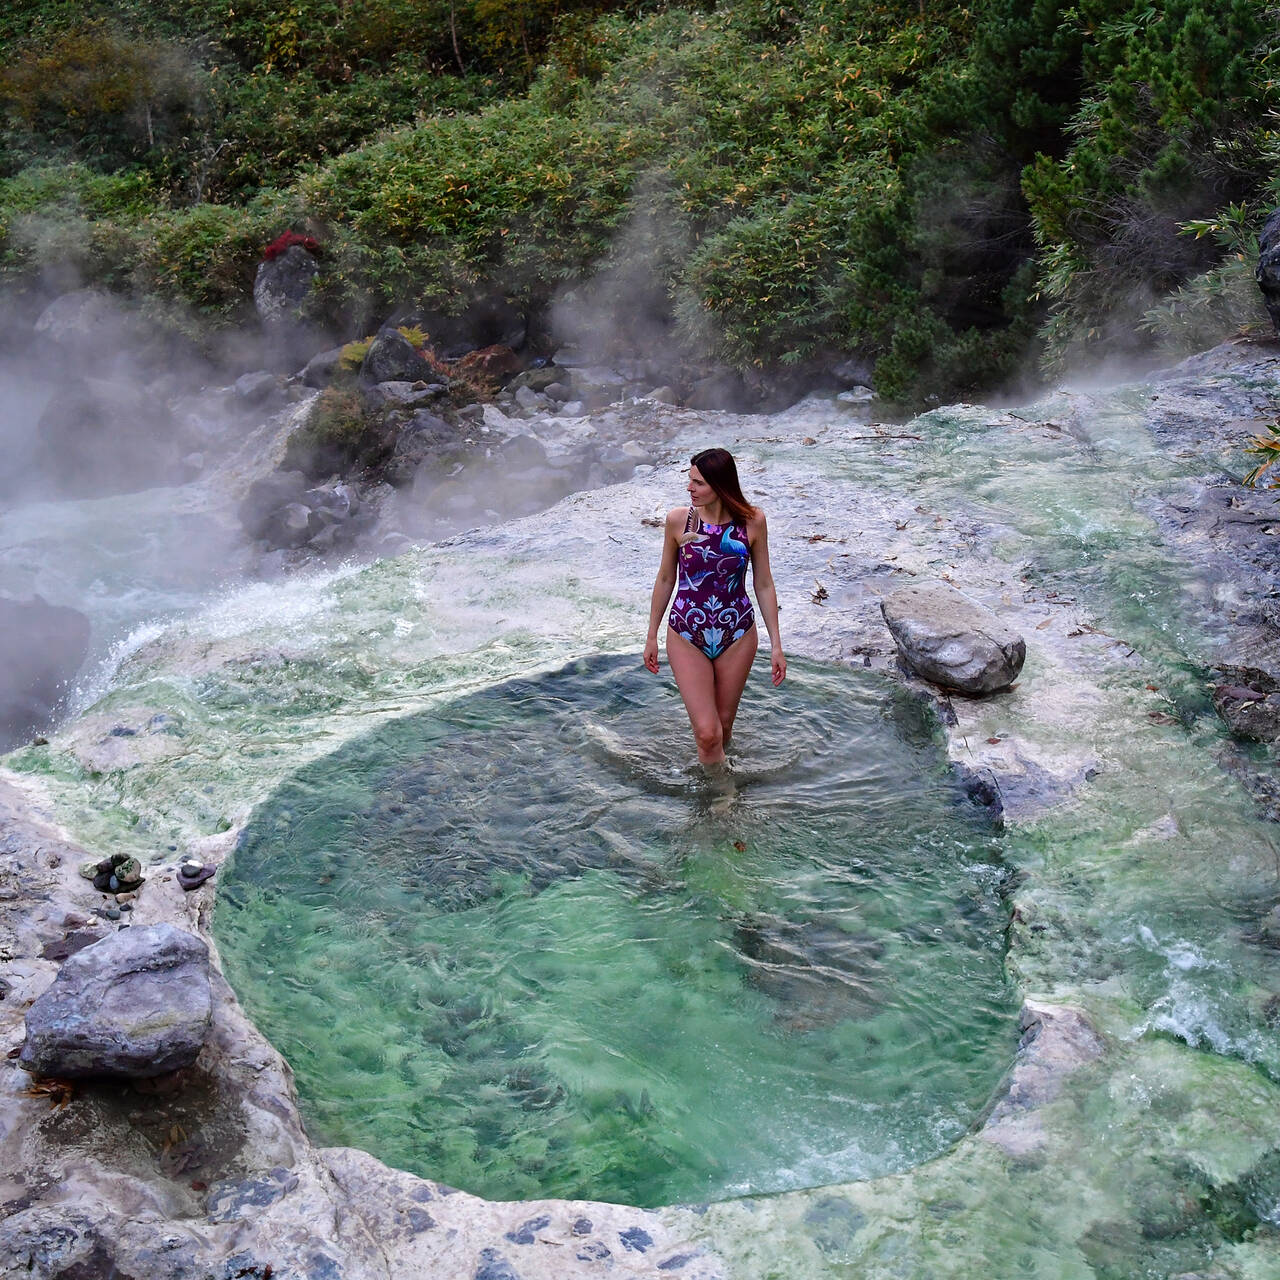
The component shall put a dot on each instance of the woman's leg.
(696, 680)
(731, 669)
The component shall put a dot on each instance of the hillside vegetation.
(949, 191)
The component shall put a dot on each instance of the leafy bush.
(105, 96)
(1222, 302)
(924, 183)
(1171, 127)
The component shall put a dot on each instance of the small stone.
(194, 879)
(112, 913)
(88, 870)
(40, 741)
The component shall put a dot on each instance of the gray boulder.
(406, 395)
(528, 398)
(1267, 272)
(79, 319)
(519, 453)
(266, 496)
(393, 358)
(134, 1005)
(283, 283)
(99, 436)
(597, 385)
(425, 437)
(537, 379)
(42, 647)
(257, 388)
(319, 371)
(951, 640)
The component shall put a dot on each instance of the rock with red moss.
(283, 283)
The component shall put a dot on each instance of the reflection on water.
(518, 944)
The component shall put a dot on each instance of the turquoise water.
(517, 944)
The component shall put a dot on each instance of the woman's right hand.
(651, 654)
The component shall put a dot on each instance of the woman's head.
(717, 469)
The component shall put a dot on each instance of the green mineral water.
(520, 945)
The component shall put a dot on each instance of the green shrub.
(104, 95)
(1220, 303)
(1171, 127)
(207, 255)
(340, 431)
(70, 220)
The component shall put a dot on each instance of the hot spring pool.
(518, 944)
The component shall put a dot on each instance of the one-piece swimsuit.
(712, 609)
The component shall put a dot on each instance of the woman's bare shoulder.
(756, 523)
(677, 516)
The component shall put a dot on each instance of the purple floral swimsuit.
(712, 609)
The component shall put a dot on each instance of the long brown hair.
(721, 472)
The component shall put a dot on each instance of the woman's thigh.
(731, 669)
(695, 678)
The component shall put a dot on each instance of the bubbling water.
(518, 944)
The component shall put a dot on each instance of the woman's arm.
(766, 593)
(663, 584)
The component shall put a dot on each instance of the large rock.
(322, 368)
(393, 358)
(1267, 273)
(136, 1004)
(945, 637)
(426, 438)
(265, 498)
(77, 321)
(43, 647)
(99, 436)
(283, 283)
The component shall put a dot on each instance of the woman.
(711, 634)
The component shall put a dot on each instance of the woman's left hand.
(779, 666)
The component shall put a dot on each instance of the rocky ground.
(210, 1173)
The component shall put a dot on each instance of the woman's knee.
(709, 736)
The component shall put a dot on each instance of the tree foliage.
(946, 189)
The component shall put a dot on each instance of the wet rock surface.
(133, 1005)
(351, 1213)
(207, 1171)
(1249, 701)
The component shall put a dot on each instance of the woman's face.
(700, 492)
